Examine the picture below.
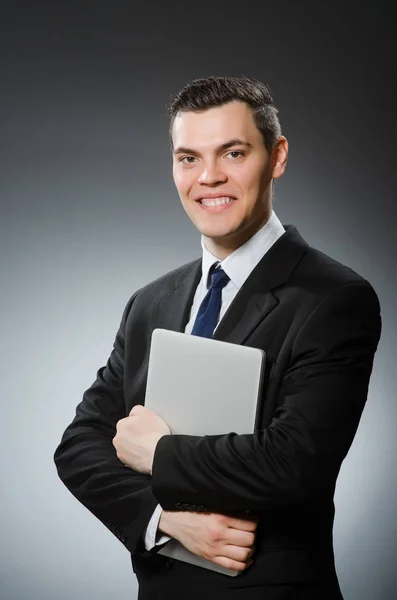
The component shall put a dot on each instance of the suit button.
(169, 562)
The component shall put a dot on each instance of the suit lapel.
(243, 315)
(173, 309)
(255, 300)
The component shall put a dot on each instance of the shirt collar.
(240, 263)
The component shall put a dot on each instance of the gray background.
(89, 213)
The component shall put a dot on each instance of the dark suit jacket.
(319, 324)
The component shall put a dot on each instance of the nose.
(212, 174)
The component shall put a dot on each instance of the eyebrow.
(220, 148)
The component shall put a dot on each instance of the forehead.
(216, 125)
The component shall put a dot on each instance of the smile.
(216, 201)
(216, 205)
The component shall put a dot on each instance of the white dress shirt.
(238, 266)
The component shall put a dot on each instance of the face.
(223, 174)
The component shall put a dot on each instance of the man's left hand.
(136, 438)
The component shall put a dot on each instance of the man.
(261, 503)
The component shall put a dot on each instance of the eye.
(238, 152)
(188, 160)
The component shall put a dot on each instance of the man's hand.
(137, 436)
(224, 540)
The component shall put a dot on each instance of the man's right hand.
(224, 540)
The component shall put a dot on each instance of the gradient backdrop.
(89, 213)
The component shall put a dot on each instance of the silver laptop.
(197, 385)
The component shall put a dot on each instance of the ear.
(279, 157)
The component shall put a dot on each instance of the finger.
(230, 563)
(236, 553)
(236, 537)
(242, 524)
(121, 423)
(136, 409)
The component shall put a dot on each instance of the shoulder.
(146, 296)
(330, 303)
(323, 276)
(318, 283)
(337, 298)
(171, 280)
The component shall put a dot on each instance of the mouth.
(215, 205)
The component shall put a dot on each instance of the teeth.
(216, 202)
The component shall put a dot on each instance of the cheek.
(254, 181)
(183, 182)
(248, 183)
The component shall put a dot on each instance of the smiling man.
(260, 503)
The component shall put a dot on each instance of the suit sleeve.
(86, 458)
(298, 456)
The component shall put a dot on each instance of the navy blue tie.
(208, 313)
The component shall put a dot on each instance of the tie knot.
(219, 278)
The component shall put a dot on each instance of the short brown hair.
(209, 92)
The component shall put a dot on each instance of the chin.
(215, 230)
